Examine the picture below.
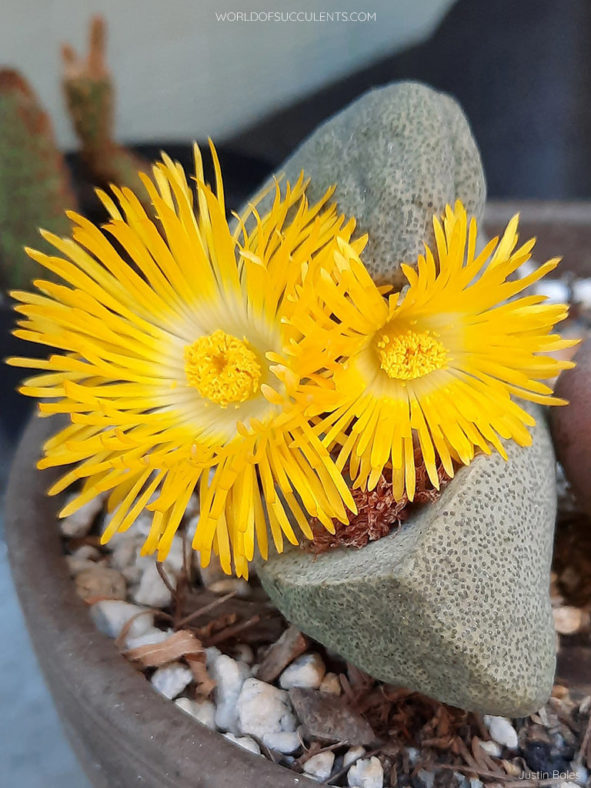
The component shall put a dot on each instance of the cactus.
(90, 98)
(35, 189)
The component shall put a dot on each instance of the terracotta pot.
(123, 732)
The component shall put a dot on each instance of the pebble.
(285, 742)
(330, 684)
(491, 748)
(413, 755)
(149, 638)
(203, 711)
(501, 731)
(352, 754)
(568, 619)
(125, 553)
(111, 615)
(581, 774)
(87, 552)
(262, 708)
(229, 676)
(555, 290)
(77, 565)
(476, 783)
(245, 742)
(171, 679)
(243, 653)
(306, 671)
(80, 523)
(319, 766)
(582, 292)
(211, 654)
(427, 778)
(100, 581)
(366, 773)
(152, 590)
(231, 585)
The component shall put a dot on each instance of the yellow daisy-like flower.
(172, 362)
(436, 366)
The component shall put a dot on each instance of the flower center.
(410, 354)
(223, 368)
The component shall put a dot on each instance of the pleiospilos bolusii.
(456, 604)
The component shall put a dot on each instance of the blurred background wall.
(181, 73)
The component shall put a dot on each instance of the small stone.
(111, 615)
(306, 671)
(475, 783)
(99, 582)
(211, 654)
(413, 755)
(77, 565)
(285, 742)
(582, 292)
(581, 774)
(568, 619)
(149, 638)
(262, 708)
(245, 742)
(491, 748)
(229, 676)
(502, 731)
(231, 585)
(329, 718)
(330, 684)
(80, 523)
(87, 552)
(171, 679)
(319, 767)
(203, 711)
(289, 646)
(555, 290)
(243, 653)
(366, 773)
(352, 755)
(125, 553)
(427, 778)
(152, 590)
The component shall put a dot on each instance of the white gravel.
(366, 773)
(149, 638)
(501, 731)
(245, 742)
(229, 675)
(262, 708)
(203, 711)
(152, 590)
(319, 767)
(306, 672)
(171, 679)
(352, 754)
(285, 742)
(111, 615)
(80, 523)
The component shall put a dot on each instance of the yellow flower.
(435, 366)
(171, 359)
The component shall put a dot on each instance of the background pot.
(123, 732)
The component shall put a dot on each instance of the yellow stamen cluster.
(223, 368)
(410, 354)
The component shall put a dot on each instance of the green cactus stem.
(90, 98)
(35, 189)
